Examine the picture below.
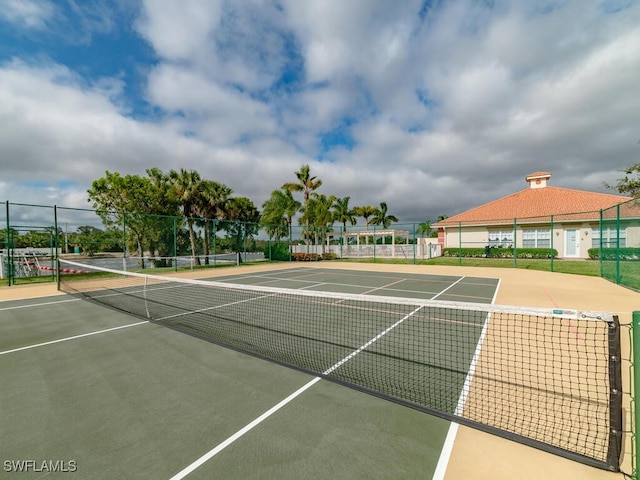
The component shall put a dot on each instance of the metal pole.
(124, 241)
(515, 248)
(175, 243)
(415, 241)
(635, 352)
(460, 243)
(551, 252)
(56, 241)
(618, 274)
(7, 242)
(600, 245)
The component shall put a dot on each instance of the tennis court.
(107, 395)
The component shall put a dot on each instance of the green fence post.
(551, 244)
(635, 359)
(460, 243)
(56, 240)
(618, 274)
(415, 241)
(124, 241)
(175, 243)
(515, 248)
(215, 238)
(8, 244)
(374, 243)
(600, 245)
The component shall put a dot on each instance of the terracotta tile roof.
(562, 203)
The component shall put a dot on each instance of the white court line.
(447, 448)
(73, 338)
(213, 452)
(458, 280)
(3, 309)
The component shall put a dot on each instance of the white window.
(501, 238)
(536, 238)
(609, 237)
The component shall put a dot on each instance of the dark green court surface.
(109, 395)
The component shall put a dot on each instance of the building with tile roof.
(540, 216)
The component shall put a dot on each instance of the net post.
(635, 358)
(615, 394)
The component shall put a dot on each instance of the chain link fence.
(33, 236)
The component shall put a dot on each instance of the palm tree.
(186, 185)
(380, 216)
(319, 214)
(278, 212)
(214, 198)
(343, 214)
(241, 223)
(424, 229)
(306, 184)
(365, 212)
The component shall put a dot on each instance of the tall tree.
(116, 198)
(366, 212)
(343, 213)
(278, 212)
(382, 217)
(630, 183)
(241, 222)
(424, 229)
(320, 216)
(212, 205)
(186, 185)
(306, 184)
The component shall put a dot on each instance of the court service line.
(384, 286)
(437, 295)
(213, 452)
(73, 338)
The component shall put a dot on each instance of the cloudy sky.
(431, 106)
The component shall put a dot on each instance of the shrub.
(627, 253)
(306, 257)
(500, 252)
(278, 251)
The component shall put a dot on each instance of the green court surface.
(108, 395)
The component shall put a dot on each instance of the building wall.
(478, 237)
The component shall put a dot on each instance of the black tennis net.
(547, 378)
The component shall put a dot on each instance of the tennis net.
(547, 378)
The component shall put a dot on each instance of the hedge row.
(500, 252)
(312, 257)
(628, 253)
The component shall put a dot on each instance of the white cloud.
(27, 13)
(447, 112)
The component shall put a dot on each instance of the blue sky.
(433, 107)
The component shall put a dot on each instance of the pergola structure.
(371, 233)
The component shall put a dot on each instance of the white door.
(571, 243)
